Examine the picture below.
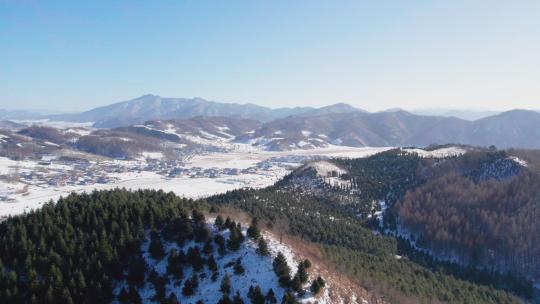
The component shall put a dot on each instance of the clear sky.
(75, 55)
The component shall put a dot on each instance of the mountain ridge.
(153, 107)
(307, 127)
(516, 128)
(513, 129)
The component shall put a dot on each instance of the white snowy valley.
(27, 185)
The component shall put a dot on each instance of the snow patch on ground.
(380, 213)
(330, 173)
(6, 165)
(519, 161)
(405, 233)
(48, 143)
(324, 168)
(79, 131)
(55, 124)
(438, 153)
(152, 155)
(306, 133)
(303, 143)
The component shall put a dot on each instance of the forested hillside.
(472, 215)
(72, 252)
(145, 247)
(477, 210)
(493, 224)
(369, 259)
(152, 246)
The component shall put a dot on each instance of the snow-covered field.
(55, 123)
(24, 197)
(184, 186)
(244, 159)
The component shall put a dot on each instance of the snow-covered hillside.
(330, 173)
(245, 268)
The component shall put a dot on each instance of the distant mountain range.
(517, 128)
(201, 121)
(459, 113)
(152, 107)
(19, 114)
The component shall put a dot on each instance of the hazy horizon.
(71, 56)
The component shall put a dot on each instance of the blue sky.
(75, 55)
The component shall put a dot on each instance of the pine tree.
(174, 265)
(172, 299)
(289, 298)
(237, 299)
(191, 285)
(159, 283)
(282, 270)
(134, 296)
(235, 238)
(198, 217)
(238, 268)
(228, 223)
(302, 274)
(257, 297)
(225, 299)
(212, 265)
(66, 297)
(193, 257)
(271, 297)
(220, 242)
(188, 289)
(156, 246)
(81, 282)
(296, 285)
(123, 296)
(225, 286)
(253, 230)
(136, 273)
(219, 222)
(263, 247)
(208, 248)
(202, 233)
(317, 285)
(250, 291)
